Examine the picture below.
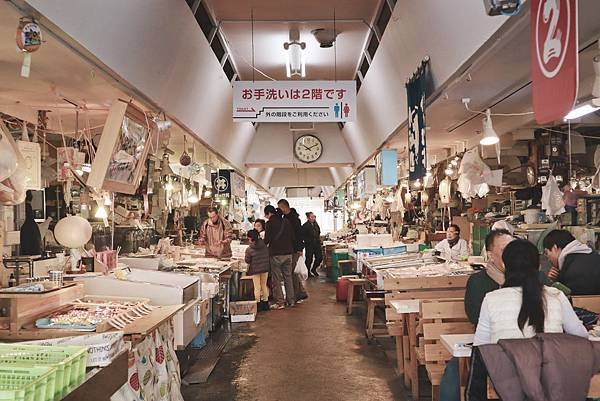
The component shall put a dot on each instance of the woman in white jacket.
(524, 306)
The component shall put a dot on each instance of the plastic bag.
(301, 269)
(552, 198)
(473, 175)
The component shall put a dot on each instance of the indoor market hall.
(299, 200)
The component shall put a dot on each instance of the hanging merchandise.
(415, 91)
(378, 205)
(474, 175)
(29, 40)
(185, 159)
(444, 191)
(13, 177)
(596, 179)
(552, 198)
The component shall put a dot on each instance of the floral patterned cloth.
(153, 369)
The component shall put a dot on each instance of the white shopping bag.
(300, 268)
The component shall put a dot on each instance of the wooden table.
(460, 346)
(147, 324)
(409, 309)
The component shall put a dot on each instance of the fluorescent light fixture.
(581, 111)
(295, 61)
(489, 134)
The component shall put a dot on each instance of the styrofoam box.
(243, 318)
(160, 287)
(373, 240)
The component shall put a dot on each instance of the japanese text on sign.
(291, 101)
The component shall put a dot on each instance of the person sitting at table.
(479, 284)
(489, 279)
(522, 308)
(453, 247)
(574, 264)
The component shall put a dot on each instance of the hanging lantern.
(29, 39)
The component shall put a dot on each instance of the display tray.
(12, 290)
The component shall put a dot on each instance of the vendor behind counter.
(453, 247)
(216, 234)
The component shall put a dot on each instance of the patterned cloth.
(153, 369)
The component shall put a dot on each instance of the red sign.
(554, 61)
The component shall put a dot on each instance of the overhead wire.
(527, 113)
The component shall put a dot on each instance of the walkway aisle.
(311, 352)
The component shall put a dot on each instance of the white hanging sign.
(294, 101)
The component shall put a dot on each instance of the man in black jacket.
(574, 264)
(279, 237)
(292, 216)
(312, 242)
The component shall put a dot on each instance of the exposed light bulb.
(417, 184)
(101, 212)
(193, 198)
(207, 193)
(454, 162)
(449, 171)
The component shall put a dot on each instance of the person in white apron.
(453, 247)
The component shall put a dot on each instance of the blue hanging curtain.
(415, 91)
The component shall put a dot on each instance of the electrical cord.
(527, 113)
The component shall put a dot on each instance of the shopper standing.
(216, 234)
(257, 258)
(292, 216)
(312, 243)
(259, 225)
(279, 237)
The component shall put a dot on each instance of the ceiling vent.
(302, 126)
(325, 37)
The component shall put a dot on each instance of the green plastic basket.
(33, 383)
(69, 361)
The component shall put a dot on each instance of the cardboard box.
(243, 308)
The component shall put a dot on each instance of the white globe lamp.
(73, 232)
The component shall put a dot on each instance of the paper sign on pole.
(294, 101)
(554, 61)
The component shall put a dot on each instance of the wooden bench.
(404, 326)
(437, 317)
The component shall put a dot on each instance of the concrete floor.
(313, 351)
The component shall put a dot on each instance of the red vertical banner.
(554, 58)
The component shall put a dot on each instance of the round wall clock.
(308, 148)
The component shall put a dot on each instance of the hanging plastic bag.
(473, 175)
(301, 269)
(13, 178)
(552, 198)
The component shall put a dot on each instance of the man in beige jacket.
(216, 234)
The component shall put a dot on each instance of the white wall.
(157, 47)
(273, 143)
(302, 177)
(448, 31)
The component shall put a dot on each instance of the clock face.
(308, 148)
